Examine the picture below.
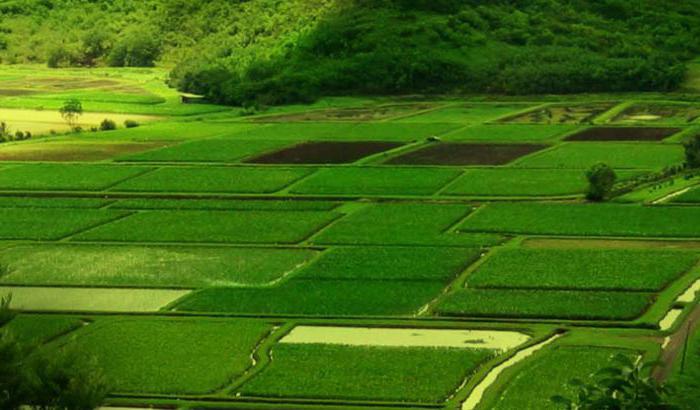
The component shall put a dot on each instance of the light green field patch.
(583, 155)
(406, 337)
(90, 300)
(51, 224)
(376, 181)
(509, 133)
(213, 227)
(55, 177)
(212, 150)
(70, 149)
(45, 121)
(148, 266)
(214, 179)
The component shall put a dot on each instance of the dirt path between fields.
(676, 344)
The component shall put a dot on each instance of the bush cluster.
(258, 52)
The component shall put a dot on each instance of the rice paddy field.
(354, 253)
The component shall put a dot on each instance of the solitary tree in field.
(601, 180)
(627, 385)
(71, 111)
(692, 152)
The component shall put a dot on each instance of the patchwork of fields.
(354, 253)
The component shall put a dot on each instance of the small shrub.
(692, 152)
(131, 124)
(601, 180)
(19, 135)
(108, 125)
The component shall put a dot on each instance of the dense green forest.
(281, 51)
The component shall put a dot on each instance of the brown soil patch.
(552, 243)
(349, 114)
(466, 154)
(74, 151)
(324, 152)
(61, 83)
(14, 92)
(623, 134)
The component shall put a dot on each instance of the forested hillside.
(280, 51)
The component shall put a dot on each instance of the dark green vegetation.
(318, 298)
(38, 378)
(550, 375)
(548, 304)
(601, 181)
(277, 52)
(369, 373)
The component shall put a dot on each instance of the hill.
(282, 51)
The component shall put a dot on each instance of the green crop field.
(544, 377)
(369, 373)
(65, 177)
(212, 227)
(216, 180)
(638, 270)
(506, 182)
(583, 155)
(41, 329)
(391, 263)
(229, 149)
(318, 298)
(509, 133)
(158, 356)
(256, 241)
(584, 220)
(388, 224)
(51, 224)
(376, 181)
(546, 304)
(148, 266)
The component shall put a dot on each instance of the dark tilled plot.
(324, 153)
(623, 134)
(14, 92)
(467, 154)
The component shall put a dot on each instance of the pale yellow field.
(44, 121)
(359, 336)
(90, 299)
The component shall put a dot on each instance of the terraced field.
(353, 254)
